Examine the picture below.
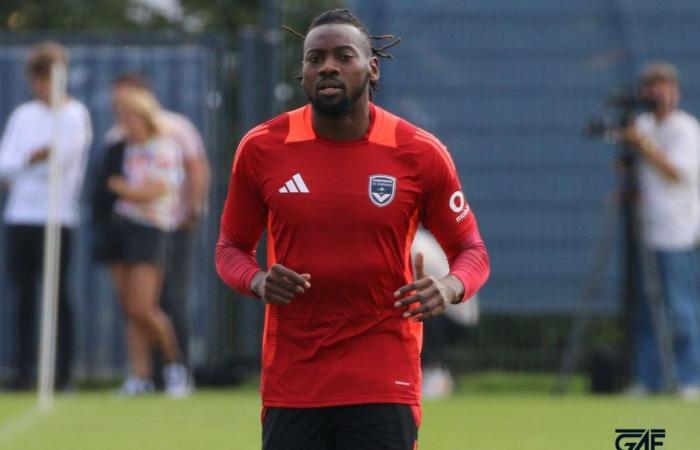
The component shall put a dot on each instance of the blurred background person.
(147, 196)
(667, 140)
(24, 153)
(191, 205)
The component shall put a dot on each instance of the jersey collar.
(382, 126)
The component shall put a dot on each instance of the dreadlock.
(345, 17)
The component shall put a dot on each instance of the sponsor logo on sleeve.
(459, 205)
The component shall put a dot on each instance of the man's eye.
(313, 59)
(345, 57)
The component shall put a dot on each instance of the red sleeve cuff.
(246, 279)
(471, 267)
(235, 266)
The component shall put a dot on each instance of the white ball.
(435, 263)
(434, 259)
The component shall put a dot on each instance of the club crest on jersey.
(382, 189)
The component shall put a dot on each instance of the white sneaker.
(437, 383)
(637, 390)
(689, 393)
(134, 386)
(177, 381)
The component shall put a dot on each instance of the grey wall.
(507, 86)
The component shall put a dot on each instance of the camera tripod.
(639, 281)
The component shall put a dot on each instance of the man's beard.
(340, 107)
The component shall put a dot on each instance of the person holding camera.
(667, 140)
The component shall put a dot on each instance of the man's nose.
(329, 67)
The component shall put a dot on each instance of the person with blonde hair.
(193, 199)
(146, 194)
(33, 131)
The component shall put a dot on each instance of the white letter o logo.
(457, 202)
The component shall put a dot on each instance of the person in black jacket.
(102, 201)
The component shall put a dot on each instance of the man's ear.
(374, 69)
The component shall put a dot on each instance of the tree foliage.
(68, 15)
(223, 16)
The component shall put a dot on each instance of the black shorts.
(376, 426)
(125, 241)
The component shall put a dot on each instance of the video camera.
(626, 103)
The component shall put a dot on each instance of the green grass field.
(485, 414)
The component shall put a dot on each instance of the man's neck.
(47, 101)
(351, 126)
(661, 115)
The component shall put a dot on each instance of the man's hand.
(645, 147)
(194, 215)
(280, 285)
(629, 135)
(432, 293)
(117, 184)
(39, 155)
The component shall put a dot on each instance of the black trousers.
(176, 283)
(376, 426)
(25, 258)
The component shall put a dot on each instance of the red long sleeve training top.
(345, 212)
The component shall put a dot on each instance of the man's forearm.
(471, 267)
(137, 194)
(649, 151)
(236, 267)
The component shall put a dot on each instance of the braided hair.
(345, 17)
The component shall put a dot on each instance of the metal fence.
(187, 77)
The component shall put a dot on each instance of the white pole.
(52, 248)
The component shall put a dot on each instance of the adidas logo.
(296, 184)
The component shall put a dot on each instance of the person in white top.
(193, 196)
(24, 152)
(668, 142)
